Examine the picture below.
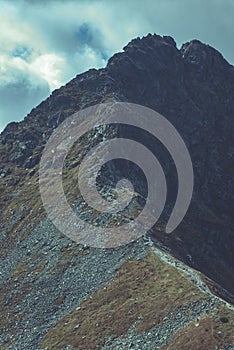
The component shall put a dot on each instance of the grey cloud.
(68, 38)
(18, 97)
(63, 27)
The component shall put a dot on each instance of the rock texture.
(41, 270)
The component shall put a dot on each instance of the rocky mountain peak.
(148, 52)
(150, 41)
(208, 63)
(198, 53)
(54, 292)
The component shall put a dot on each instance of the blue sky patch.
(22, 52)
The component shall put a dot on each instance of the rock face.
(193, 87)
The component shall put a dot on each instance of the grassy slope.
(141, 292)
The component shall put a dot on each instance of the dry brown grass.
(209, 334)
(141, 291)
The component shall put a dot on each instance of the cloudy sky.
(43, 44)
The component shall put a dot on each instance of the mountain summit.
(158, 292)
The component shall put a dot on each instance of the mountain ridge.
(153, 72)
(193, 88)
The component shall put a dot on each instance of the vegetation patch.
(141, 291)
(210, 332)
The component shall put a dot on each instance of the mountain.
(56, 294)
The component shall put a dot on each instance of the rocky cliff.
(56, 294)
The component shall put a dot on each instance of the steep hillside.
(56, 294)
